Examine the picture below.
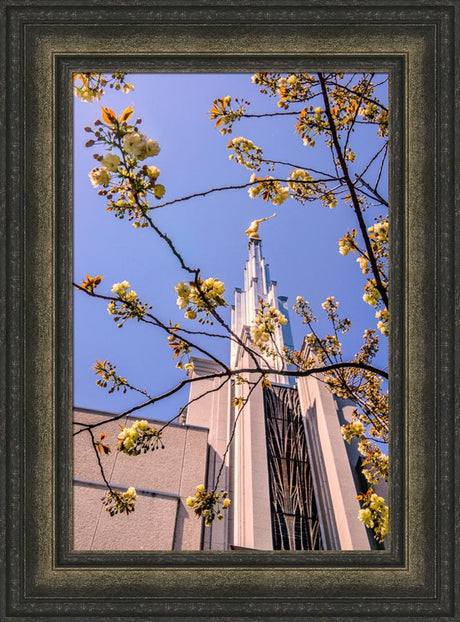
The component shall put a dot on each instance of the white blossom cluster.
(363, 262)
(130, 493)
(382, 324)
(190, 298)
(139, 437)
(253, 191)
(371, 294)
(376, 461)
(289, 88)
(282, 195)
(209, 504)
(301, 183)
(268, 318)
(87, 94)
(92, 87)
(100, 176)
(268, 188)
(302, 307)
(330, 304)
(135, 144)
(375, 515)
(379, 230)
(121, 289)
(130, 306)
(116, 502)
(128, 437)
(245, 152)
(140, 146)
(352, 430)
(347, 243)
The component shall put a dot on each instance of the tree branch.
(357, 208)
(238, 372)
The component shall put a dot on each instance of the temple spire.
(257, 286)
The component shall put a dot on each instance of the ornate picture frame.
(43, 45)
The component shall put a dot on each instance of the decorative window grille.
(295, 524)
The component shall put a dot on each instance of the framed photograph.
(270, 462)
(216, 553)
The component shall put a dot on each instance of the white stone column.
(332, 472)
(252, 517)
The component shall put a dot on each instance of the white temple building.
(291, 477)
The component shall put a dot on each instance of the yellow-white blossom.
(330, 304)
(99, 177)
(371, 296)
(120, 288)
(268, 318)
(352, 430)
(152, 148)
(363, 262)
(245, 152)
(139, 437)
(153, 172)
(111, 162)
(382, 324)
(128, 305)
(131, 493)
(183, 290)
(208, 505)
(282, 195)
(181, 302)
(379, 230)
(204, 296)
(85, 94)
(365, 515)
(259, 334)
(140, 146)
(116, 502)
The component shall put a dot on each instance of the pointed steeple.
(257, 286)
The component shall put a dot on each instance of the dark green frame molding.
(43, 42)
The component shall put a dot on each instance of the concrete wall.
(211, 410)
(163, 480)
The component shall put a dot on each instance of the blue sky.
(301, 244)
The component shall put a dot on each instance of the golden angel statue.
(252, 232)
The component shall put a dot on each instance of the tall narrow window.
(295, 521)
